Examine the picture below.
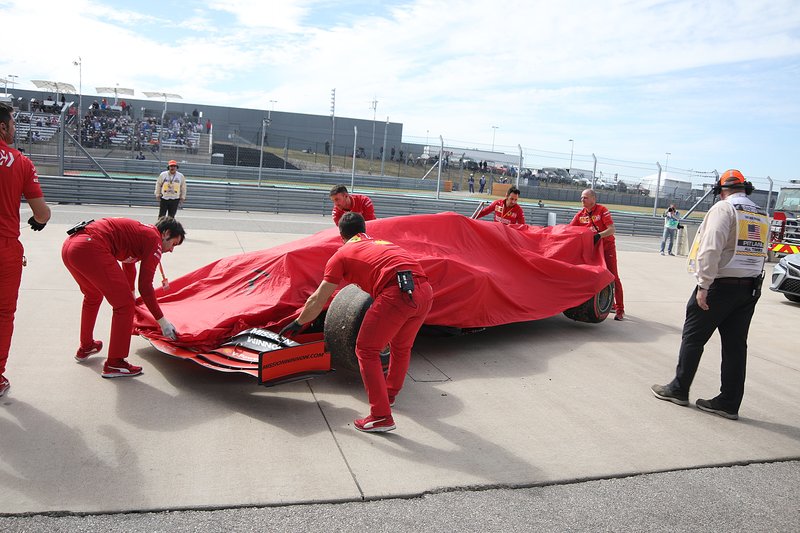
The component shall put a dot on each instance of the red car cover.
(482, 273)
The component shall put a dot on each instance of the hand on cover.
(36, 226)
(292, 327)
(167, 329)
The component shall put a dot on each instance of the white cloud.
(627, 77)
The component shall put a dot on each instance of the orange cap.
(173, 162)
(731, 178)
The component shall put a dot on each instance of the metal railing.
(139, 192)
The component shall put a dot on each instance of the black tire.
(595, 309)
(342, 323)
(792, 297)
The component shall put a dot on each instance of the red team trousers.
(10, 277)
(100, 275)
(394, 318)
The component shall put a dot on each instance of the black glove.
(293, 327)
(597, 238)
(36, 226)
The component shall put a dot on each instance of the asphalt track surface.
(693, 472)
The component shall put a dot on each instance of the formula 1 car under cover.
(482, 273)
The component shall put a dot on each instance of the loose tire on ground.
(595, 309)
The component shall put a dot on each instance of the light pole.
(494, 131)
(666, 164)
(571, 151)
(374, 106)
(79, 64)
(333, 129)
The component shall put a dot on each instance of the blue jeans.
(668, 233)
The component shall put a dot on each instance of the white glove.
(167, 329)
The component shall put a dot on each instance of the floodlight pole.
(439, 173)
(333, 130)
(261, 155)
(372, 150)
(353, 173)
(79, 64)
(519, 170)
(383, 154)
(658, 186)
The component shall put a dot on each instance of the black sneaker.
(663, 392)
(711, 406)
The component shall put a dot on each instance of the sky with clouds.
(716, 83)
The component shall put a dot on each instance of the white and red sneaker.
(375, 424)
(120, 368)
(84, 353)
(4, 385)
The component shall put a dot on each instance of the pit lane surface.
(539, 403)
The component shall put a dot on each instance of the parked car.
(786, 277)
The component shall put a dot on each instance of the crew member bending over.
(507, 210)
(402, 298)
(343, 202)
(92, 254)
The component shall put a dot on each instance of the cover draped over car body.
(482, 273)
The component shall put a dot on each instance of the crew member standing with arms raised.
(18, 178)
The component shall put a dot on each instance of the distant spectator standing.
(482, 183)
(506, 210)
(344, 202)
(598, 217)
(671, 221)
(170, 190)
(18, 178)
(471, 182)
(208, 126)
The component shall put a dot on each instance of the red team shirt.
(130, 241)
(369, 263)
(360, 204)
(599, 219)
(512, 215)
(19, 178)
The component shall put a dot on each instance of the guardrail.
(133, 192)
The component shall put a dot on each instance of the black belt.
(745, 282)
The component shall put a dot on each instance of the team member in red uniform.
(506, 211)
(598, 217)
(394, 317)
(17, 178)
(343, 202)
(93, 254)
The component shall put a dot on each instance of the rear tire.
(596, 308)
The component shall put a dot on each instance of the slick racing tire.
(342, 324)
(595, 309)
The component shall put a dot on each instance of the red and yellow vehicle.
(784, 230)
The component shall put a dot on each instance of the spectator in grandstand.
(18, 178)
(170, 190)
(208, 126)
(140, 156)
(344, 202)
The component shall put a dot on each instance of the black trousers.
(168, 207)
(731, 305)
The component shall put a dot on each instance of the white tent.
(673, 185)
